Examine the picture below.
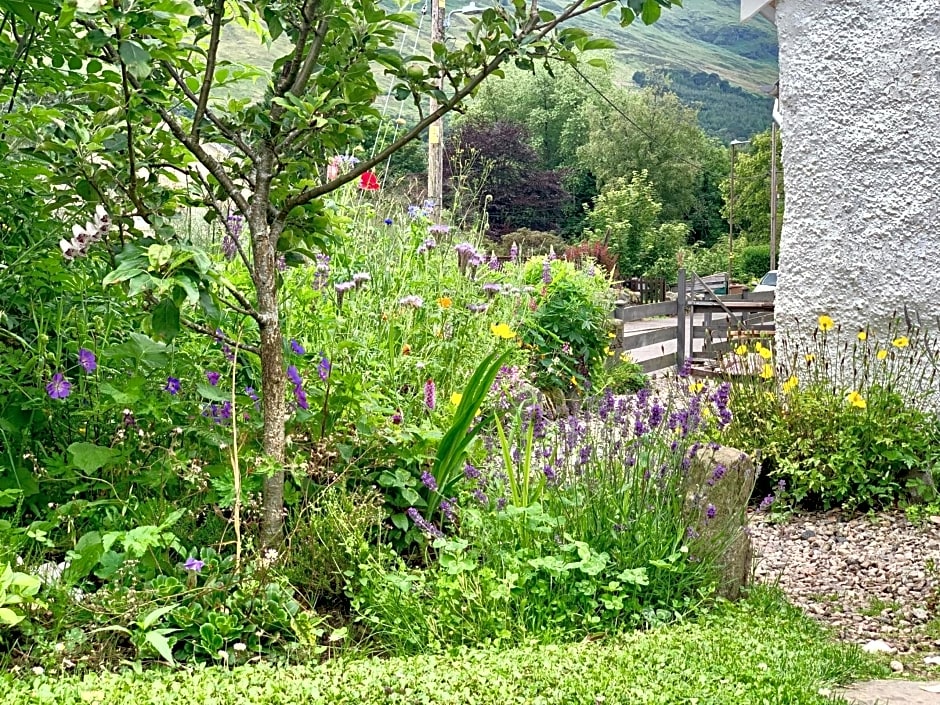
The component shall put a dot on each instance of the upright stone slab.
(859, 98)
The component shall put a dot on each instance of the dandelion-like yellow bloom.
(574, 381)
(608, 352)
(765, 353)
(758, 346)
(901, 342)
(696, 387)
(862, 335)
(741, 350)
(445, 302)
(767, 372)
(456, 398)
(790, 385)
(882, 355)
(810, 358)
(611, 335)
(856, 400)
(826, 323)
(502, 330)
(625, 356)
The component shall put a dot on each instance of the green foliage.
(530, 243)
(751, 262)
(17, 592)
(843, 419)
(625, 376)
(752, 189)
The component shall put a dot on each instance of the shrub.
(530, 243)
(625, 376)
(842, 418)
(751, 262)
(596, 252)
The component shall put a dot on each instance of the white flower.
(238, 646)
(38, 670)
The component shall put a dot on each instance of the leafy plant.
(17, 592)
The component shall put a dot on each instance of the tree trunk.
(273, 378)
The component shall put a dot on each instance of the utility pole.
(436, 130)
(773, 194)
(734, 145)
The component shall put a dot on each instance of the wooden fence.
(699, 325)
(651, 290)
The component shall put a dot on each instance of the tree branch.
(217, 12)
(303, 76)
(289, 73)
(199, 328)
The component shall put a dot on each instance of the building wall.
(860, 97)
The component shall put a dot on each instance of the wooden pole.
(773, 194)
(680, 317)
(436, 130)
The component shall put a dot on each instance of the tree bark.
(273, 378)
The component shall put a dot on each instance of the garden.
(276, 427)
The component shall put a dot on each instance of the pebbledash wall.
(860, 111)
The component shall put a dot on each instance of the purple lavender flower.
(710, 511)
(718, 473)
(427, 479)
(86, 358)
(324, 368)
(233, 225)
(766, 503)
(412, 300)
(686, 368)
(297, 347)
(229, 248)
(546, 271)
(213, 377)
(172, 386)
(423, 523)
(360, 278)
(293, 375)
(501, 504)
(251, 394)
(449, 508)
(59, 387)
(782, 485)
(607, 404)
(194, 564)
(470, 472)
(657, 412)
(430, 394)
(514, 252)
(584, 457)
(480, 496)
(551, 476)
(493, 262)
(691, 533)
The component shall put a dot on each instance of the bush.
(624, 377)
(530, 243)
(751, 262)
(596, 252)
(842, 419)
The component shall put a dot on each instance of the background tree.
(752, 190)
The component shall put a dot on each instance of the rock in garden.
(718, 488)
(878, 646)
(897, 666)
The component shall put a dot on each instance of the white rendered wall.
(860, 97)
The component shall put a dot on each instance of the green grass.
(759, 651)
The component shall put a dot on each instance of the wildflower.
(368, 181)
(855, 399)
(741, 350)
(59, 387)
(423, 524)
(765, 353)
(826, 323)
(491, 289)
(766, 503)
(696, 387)
(901, 342)
(430, 394)
(502, 331)
(718, 473)
(546, 271)
(281, 263)
(480, 496)
(439, 229)
(767, 372)
(449, 508)
(172, 386)
(882, 354)
(293, 375)
(301, 397)
(324, 368)
(194, 564)
(406, 349)
(239, 646)
(465, 252)
(456, 398)
(297, 347)
(862, 335)
(229, 248)
(342, 288)
(478, 308)
(213, 377)
(493, 262)
(360, 278)
(428, 480)
(710, 511)
(791, 384)
(413, 301)
(388, 221)
(514, 252)
(810, 358)
(430, 244)
(397, 417)
(86, 358)
(445, 302)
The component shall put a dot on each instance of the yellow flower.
(502, 330)
(574, 381)
(696, 387)
(406, 349)
(456, 398)
(882, 354)
(706, 414)
(862, 335)
(611, 335)
(445, 302)
(826, 323)
(856, 400)
(790, 385)
(741, 350)
(810, 358)
(758, 346)
(901, 342)
(765, 353)
(608, 352)
(625, 356)
(767, 372)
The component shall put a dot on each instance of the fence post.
(680, 316)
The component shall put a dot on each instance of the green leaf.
(136, 57)
(161, 646)
(165, 320)
(89, 457)
(207, 391)
(651, 11)
(598, 44)
(10, 618)
(151, 618)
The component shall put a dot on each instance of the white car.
(768, 282)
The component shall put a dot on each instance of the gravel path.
(871, 578)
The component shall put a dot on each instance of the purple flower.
(546, 271)
(86, 358)
(213, 377)
(478, 308)
(249, 392)
(293, 375)
(59, 387)
(766, 502)
(397, 417)
(360, 278)
(194, 564)
(465, 251)
(470, 472)
(233, 224)
(439, 229)
(710, 511)
(342, 288)
(301, 396)
(323, 369)
(514, 252)
(172, 386)
(480, 496)
(388, 221)
(423, 523)
(297, 347)
(430, 394)
(491, 289)
(493, 262)
(686, 368)
(281, 263)
(229, 248)
(449, 507)
(428, 481)
(412, 300)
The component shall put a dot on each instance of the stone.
(897, 666)
(878, 646)
(808, 534)
(727, 500)
(932, 660)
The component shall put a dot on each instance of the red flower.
(368, 181)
